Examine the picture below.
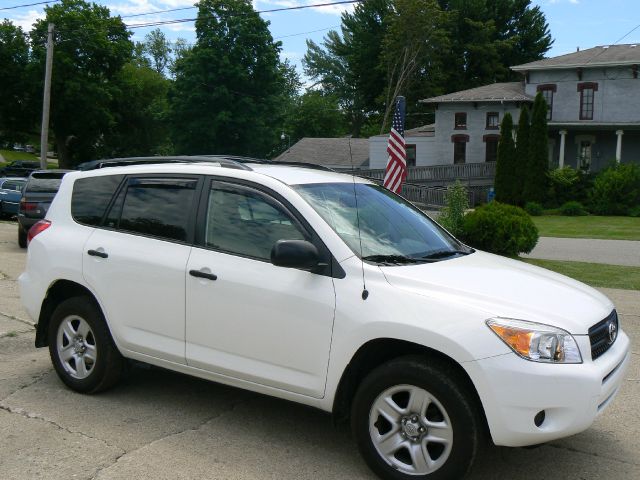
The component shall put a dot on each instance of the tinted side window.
(158, 207)
(91, 197)
(246, 223)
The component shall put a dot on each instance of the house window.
(459, 148)
(547, 93)
(461, 121)
(491, 147)
(493, 120)
(587, 94)
(411, 155)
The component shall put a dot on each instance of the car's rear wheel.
(415, 419)
(22, 237)
(81, 348)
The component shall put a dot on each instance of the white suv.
(322, 289)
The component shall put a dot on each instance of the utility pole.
(44, 133)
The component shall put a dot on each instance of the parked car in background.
(19, 168)
(10, 194)
(37, 196)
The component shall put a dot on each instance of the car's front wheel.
(81, 348)
(416, 419)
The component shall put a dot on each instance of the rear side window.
(15, 186)
(91, 197)
(45, 182)
(158, 207)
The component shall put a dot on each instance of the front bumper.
(514, 390)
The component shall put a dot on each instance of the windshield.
(391, 229)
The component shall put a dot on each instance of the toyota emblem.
(613, 332)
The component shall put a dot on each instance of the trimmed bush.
(457, 203)
(501, 229)
(566, 184)
(635, 211)
(505, 183)
(573, 209)
(616, 190)
(533, 208)
(536, 180)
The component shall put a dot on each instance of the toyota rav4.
(323, 289)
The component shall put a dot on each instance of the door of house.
(584, 158)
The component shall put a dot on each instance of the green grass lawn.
(610, 228)
(10, 156)
(594, 274)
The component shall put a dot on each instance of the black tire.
(22, 237)
(440, 381)
(109, 364)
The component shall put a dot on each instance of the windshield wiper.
(444, 254)
(391, 259)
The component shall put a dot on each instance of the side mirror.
(295, 254)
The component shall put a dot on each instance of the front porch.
(591, 147)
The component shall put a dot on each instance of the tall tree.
(411, 47)
(91, 49)
(180, 49)
(536, 174)
(17, 114)
(522, 155)
(139, 111)
(315, 114)
(347, 64)
(228, 88)
(158, 48)
(505, 166)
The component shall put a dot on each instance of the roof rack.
(222, 160)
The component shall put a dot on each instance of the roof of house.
(330, 152)
(423, 131)
(496, 92)
(603, 55)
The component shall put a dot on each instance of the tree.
(228, 89)
(91, 49)
(139, 114)
(536, 173)
(522, 155)
(505, 166)
(347, 64)
(158, 48)
(315, 114)
(413, 40)
(489, 36)
(180, 49)
(17, 112)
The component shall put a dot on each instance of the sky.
(573, 23)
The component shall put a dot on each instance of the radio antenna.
(365, 292)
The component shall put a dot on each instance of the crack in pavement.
(577, 450)
(218, 415)
(35, 416)
(36, 379)
(13, 317)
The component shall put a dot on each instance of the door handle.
(96, 253)
(200, 274)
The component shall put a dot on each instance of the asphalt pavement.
(612, 252)
(162, 425)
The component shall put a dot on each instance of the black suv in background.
(36, 198)
(19, 168)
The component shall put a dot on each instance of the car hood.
(501, 287)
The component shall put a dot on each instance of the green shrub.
(501, 229)
(573, 209)
(533, 208)
(616, 190)
(566, 184)
(453, 213)
(634, 211)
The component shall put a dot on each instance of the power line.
(185, 20)
(28, 5)
(157, 12)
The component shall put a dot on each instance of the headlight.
(535, 341)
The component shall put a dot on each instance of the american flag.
(396, 171)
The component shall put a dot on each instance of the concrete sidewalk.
(612, 252)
